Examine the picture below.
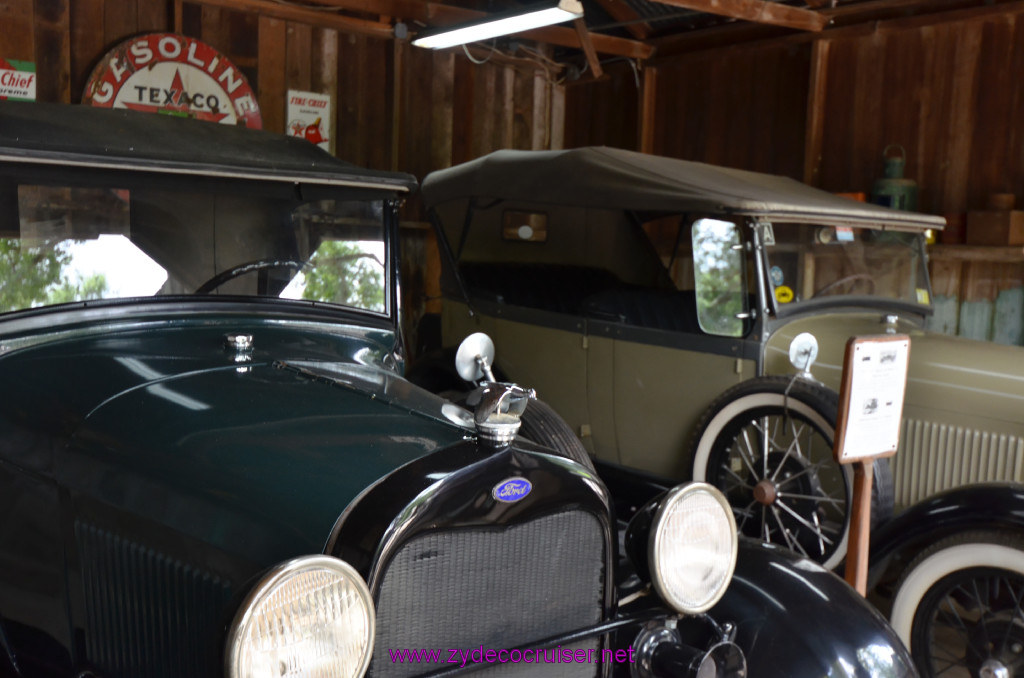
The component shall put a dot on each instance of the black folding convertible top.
(618, 179)
(121, 139)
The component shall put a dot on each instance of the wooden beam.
(758, 11)
(848, 21)
(648, 101)
(588, 47)
(620, 11)
(815, 126)
(606, 44)
(434, 14)
(267, 8)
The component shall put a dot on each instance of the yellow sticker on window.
(922, 296)
(783, 294)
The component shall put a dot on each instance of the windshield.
(807, 261)
(75, 243)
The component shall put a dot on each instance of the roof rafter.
(757, 11)
(631, 21)
(435, 14)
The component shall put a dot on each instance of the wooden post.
(868, 427)
(648, 103)
(860, 526)
(815, 131)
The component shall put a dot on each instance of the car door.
(660, 356)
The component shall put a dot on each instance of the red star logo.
(176, 107)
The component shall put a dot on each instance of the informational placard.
(309, 117)
(17, 80)
(871, 397)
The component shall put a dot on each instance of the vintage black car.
(679, 307)
(211, 465)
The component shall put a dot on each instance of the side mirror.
(474, 358)
(497, 406)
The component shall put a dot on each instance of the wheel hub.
(997, 649)
(765, 492)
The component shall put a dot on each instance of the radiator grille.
(496, 588)
(935, 457)
(147, 614)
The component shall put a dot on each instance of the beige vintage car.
(669, 312)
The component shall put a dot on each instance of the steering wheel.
(855, 278)
(235, 271)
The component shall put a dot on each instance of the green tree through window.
(35, 275)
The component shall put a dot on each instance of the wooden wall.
(823, 108)
(396, 107)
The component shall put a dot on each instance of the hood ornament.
(498, 406)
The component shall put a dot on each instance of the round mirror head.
(803, 351)
(477, 345)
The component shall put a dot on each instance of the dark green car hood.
(256, 458)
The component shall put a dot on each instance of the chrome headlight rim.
(669, 503)
(271, 581)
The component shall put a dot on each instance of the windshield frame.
(44, 172)
(851, 301)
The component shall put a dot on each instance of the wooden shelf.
(1005, 254)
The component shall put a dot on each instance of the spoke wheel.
(778, 473)
(770, 451)
(963, 601)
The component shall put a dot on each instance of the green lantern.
(892, 190)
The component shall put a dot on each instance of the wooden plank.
(298, 56)
(463, 111)
(540, 116)
(87, 47)
(990, 164)
(588, 48)
(961, 114)
(414, 153)
(442, 110)
(398, 56)
(648, 109)
(817, 90)
(214, 29)
(976, 253)
(325, 74)
(153, 16)
(557, 119)
(521, 104)
(271, 9)
(53, 50)
(757, 11)
(867, 94)
(484, 128)
(505, 82)
(120, 20)
(627, 16)
(853, 20)
(606, 44)
(270, 85)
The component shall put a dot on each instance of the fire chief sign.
(173, 74)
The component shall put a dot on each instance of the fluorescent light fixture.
(525, 18)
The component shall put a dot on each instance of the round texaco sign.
(173, 74)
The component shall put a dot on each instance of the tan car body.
(635, 394)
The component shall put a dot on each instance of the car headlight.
(312, 616)
(692, 547)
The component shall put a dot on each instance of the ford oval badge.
(511, 489)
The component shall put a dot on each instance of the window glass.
(809, 261)
(718, 265)
(107, 242)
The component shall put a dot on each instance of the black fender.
(790, 612)
(988, 506)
